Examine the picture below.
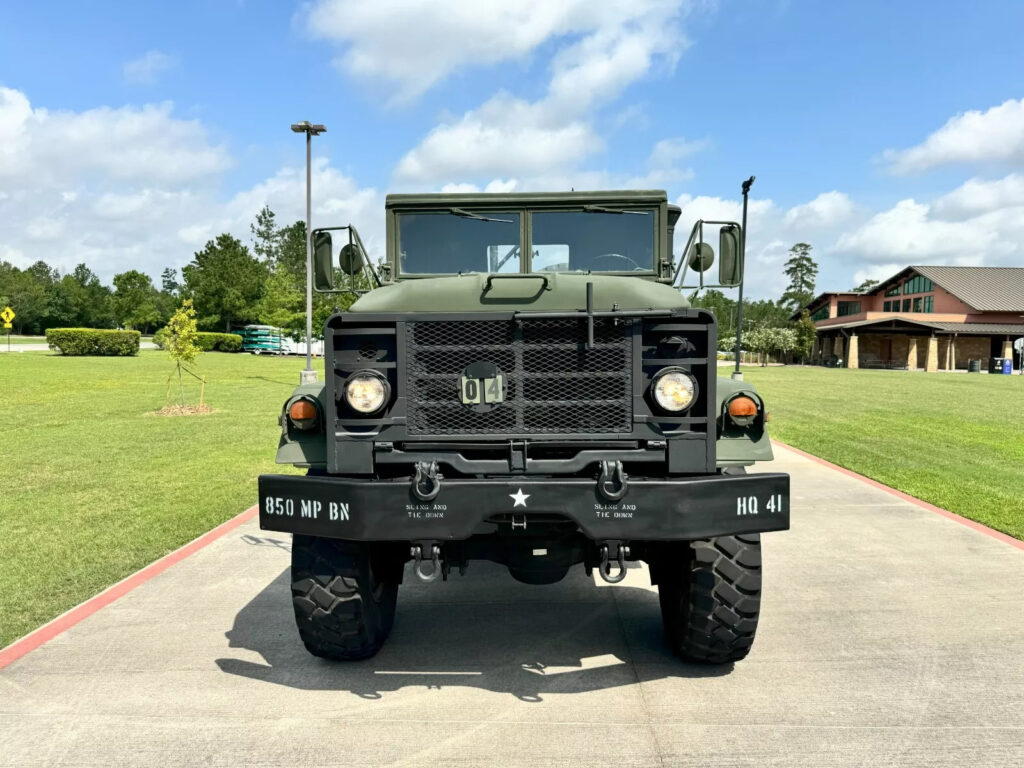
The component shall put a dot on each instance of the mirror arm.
(367, 264)
(682, 265)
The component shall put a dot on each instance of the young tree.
(135, 300)
(292, 252)
(283, 303)
(266, 237)
(225, 281)
(806, 332)
(169, 282)
(802, 272)
(182, 336)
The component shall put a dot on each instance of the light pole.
(738, 374)
(308, 376)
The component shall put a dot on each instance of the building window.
(929, 303)
(885, 306)
(848, 308)
(917, 304)
(821, 313)
(893, 291)
(918, 284)
(906, 305)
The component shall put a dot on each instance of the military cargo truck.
(522, 381)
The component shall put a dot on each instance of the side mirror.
(701, 257)
(351, 259)
(323, 263)
(730, 265)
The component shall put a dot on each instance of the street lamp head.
(306, 127)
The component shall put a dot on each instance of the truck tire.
(343, 610)
(710, 594)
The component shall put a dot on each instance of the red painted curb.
(65, 621)
(1005, 538)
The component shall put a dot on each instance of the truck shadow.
(493, 634)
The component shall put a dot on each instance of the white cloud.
(604, 48)
(129, 143)
(977, 196)
(914, 233)
(502, 137)
(829, 209)
(878, 272)
(146, 69)
(993, 136)
(386, 41)
(138, 188)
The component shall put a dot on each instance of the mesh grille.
(554, 384)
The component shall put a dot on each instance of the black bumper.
(652, 509)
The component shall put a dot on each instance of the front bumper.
(673, 509)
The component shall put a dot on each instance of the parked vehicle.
(525, 383)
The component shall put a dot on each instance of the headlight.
(366, 391)
(674, 389)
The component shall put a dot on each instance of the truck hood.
(469, 293)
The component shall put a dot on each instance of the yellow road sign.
(7, 325)
(7, 315)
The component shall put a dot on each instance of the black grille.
(554, 384)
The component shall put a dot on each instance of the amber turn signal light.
(302, 414)
(742, 407)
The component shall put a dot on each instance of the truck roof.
(651, 196)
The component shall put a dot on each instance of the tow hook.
(613, 550)
(416, 551)
(427, 482)
(613, 482)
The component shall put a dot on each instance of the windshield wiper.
(602, 209)
(478, 217)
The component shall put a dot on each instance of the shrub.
(90, 341)
(207, 342)
(219, 342)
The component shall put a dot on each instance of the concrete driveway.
(891, 636)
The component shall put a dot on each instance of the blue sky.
(882, 133)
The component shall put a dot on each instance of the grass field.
(955, 440)
(93, 486)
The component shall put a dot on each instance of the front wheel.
(344, 601)
(710, 594)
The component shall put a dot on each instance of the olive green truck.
(523, 381)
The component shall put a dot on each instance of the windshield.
(592, 240)
(447, 243)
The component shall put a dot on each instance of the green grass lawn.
(15, 339)
(94, 486)
(955, 440)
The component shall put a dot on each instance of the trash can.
(997, 365)
(1007, 365)
(974, 366)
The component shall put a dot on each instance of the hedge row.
(208, 342)
(219, 342)
(90, 341)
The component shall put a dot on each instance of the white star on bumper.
(519, 498)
